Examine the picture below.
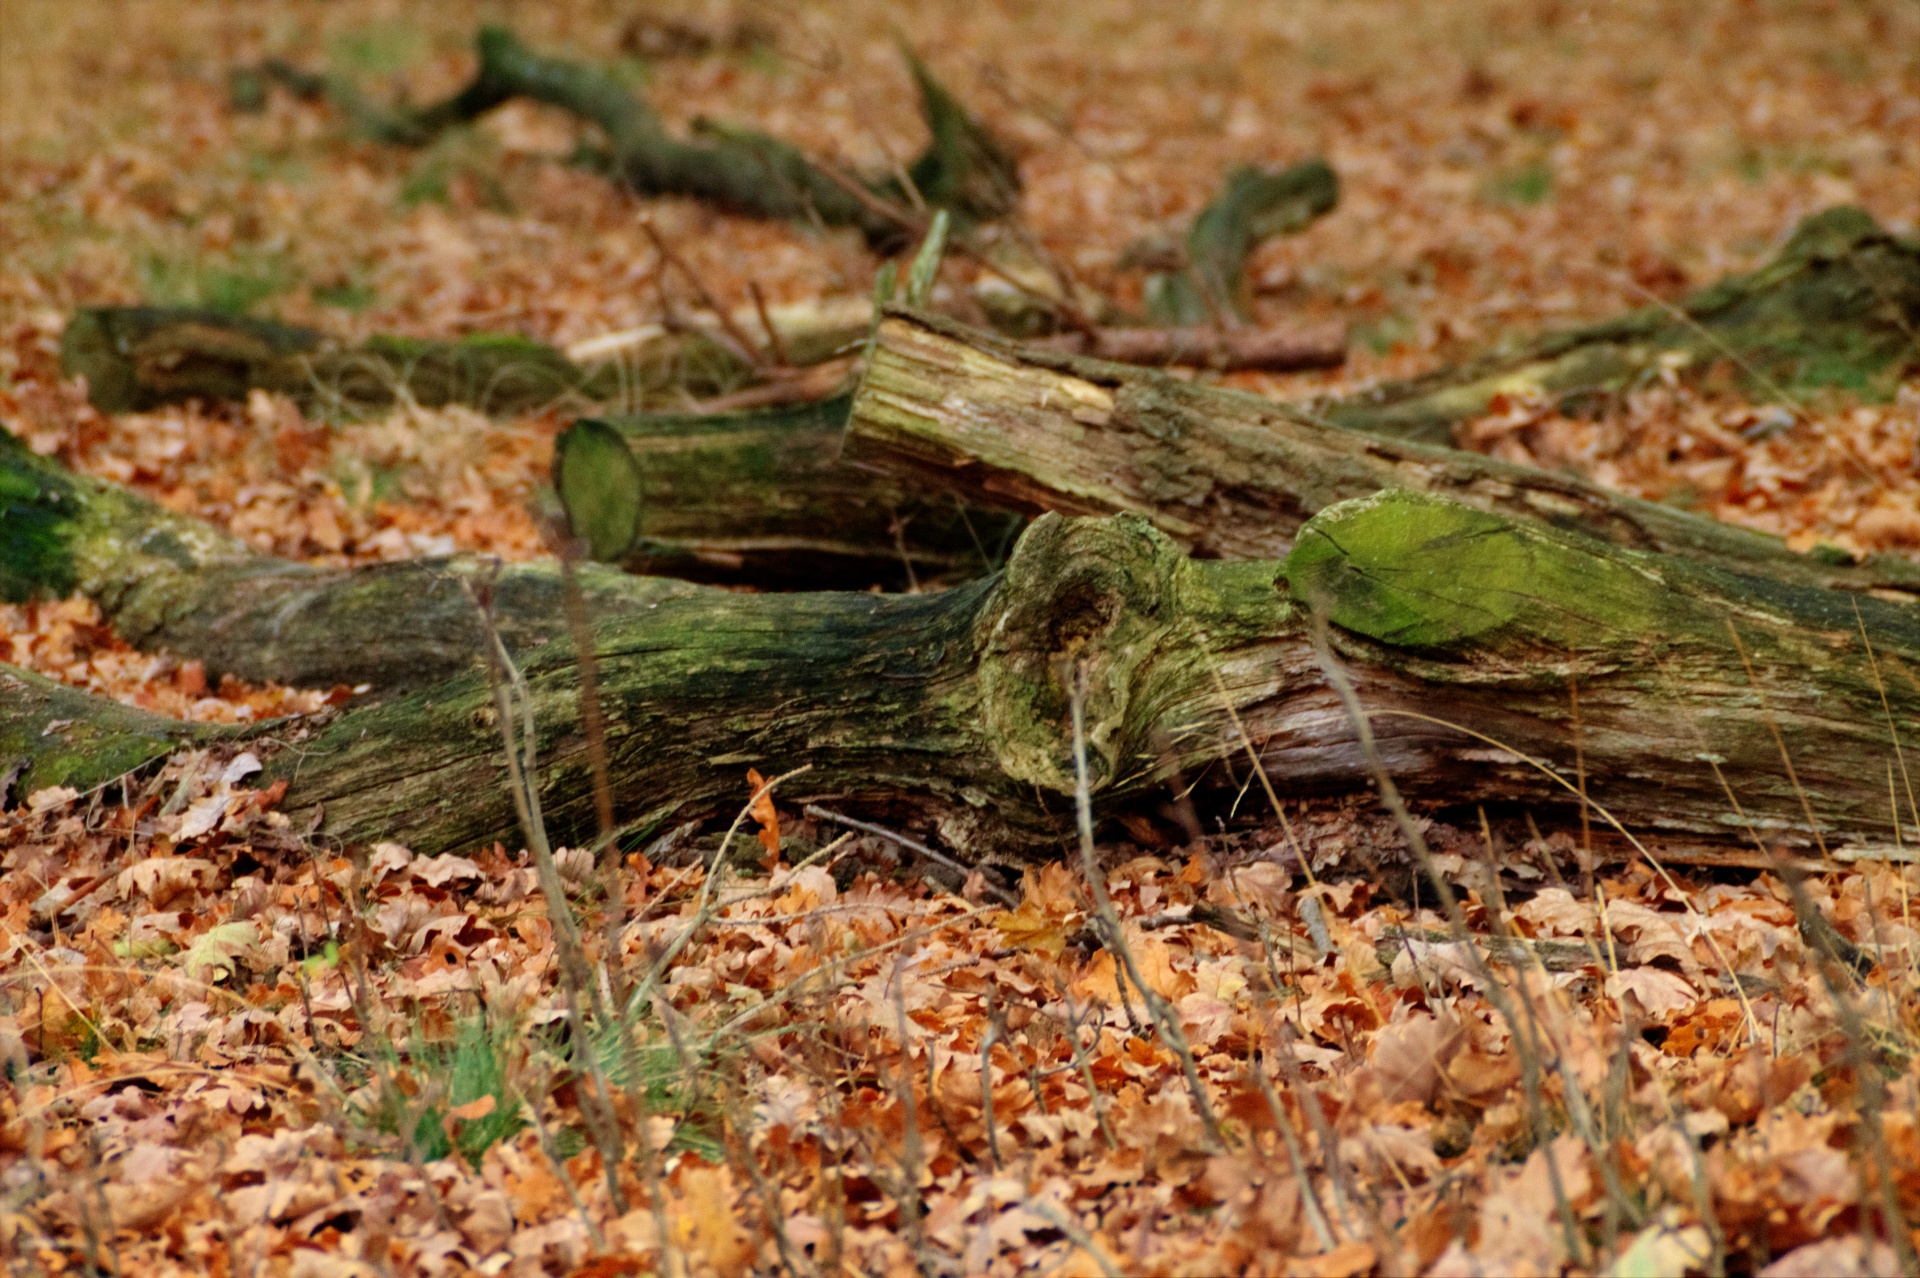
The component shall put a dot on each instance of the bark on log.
(172, 583)
(1838, 308)
(760, 498)
(54, 735)
(1273, 350)
(953, 708)
(1227, 475)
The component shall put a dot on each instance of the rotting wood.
(136, 358)
(1460, 629)
(1226, 474)
(1208, 283)
(169, 582)
(760, 498)
(1439, 948)
(1272, 349)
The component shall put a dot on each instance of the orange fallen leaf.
(474, 1109)
(761, 809)
(1348, 1260)
(460, 1115)
(1031, 928)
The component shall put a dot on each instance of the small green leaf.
(599, 486)
(926, 263)
(885, 281)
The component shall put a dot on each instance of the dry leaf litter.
(234, 1049)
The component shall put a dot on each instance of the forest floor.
(231, 1049)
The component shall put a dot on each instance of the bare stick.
(506, 680)
(1309, 1200)
(775, 342)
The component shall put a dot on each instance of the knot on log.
(1080, 598)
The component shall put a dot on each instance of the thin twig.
(1003, 895)
(1076, 1235)
(707, 299)
(507, 683)
(775, 342)
(1309, 1199)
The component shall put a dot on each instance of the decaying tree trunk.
(136, 358)
(172, 583)
(761, 498)
(1838, 308)
(51, 734)
(1227, 475)
(1460, 628)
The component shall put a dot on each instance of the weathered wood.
(136, 358)
(168, 582)
(761, 498)
(54, 735)
(1838, 308)
(1209, 285)
(1459, 629)
(1276, 349)
(1226, 474)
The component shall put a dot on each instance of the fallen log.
(760, 498)
(1460, 629)
(137, 358)
(54, 735)
(169, 582)
(1225, 474)
(964, 168)
(1837, 309)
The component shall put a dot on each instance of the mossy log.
(172, 583)
(53, 735)
(964, 168)
(760, 498)
(1459, 629)
(137, 358)
(1226, 474)
(1837, 309)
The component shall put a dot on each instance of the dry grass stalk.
(577, 983)
(1523, 1044)
(1165, 1018)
